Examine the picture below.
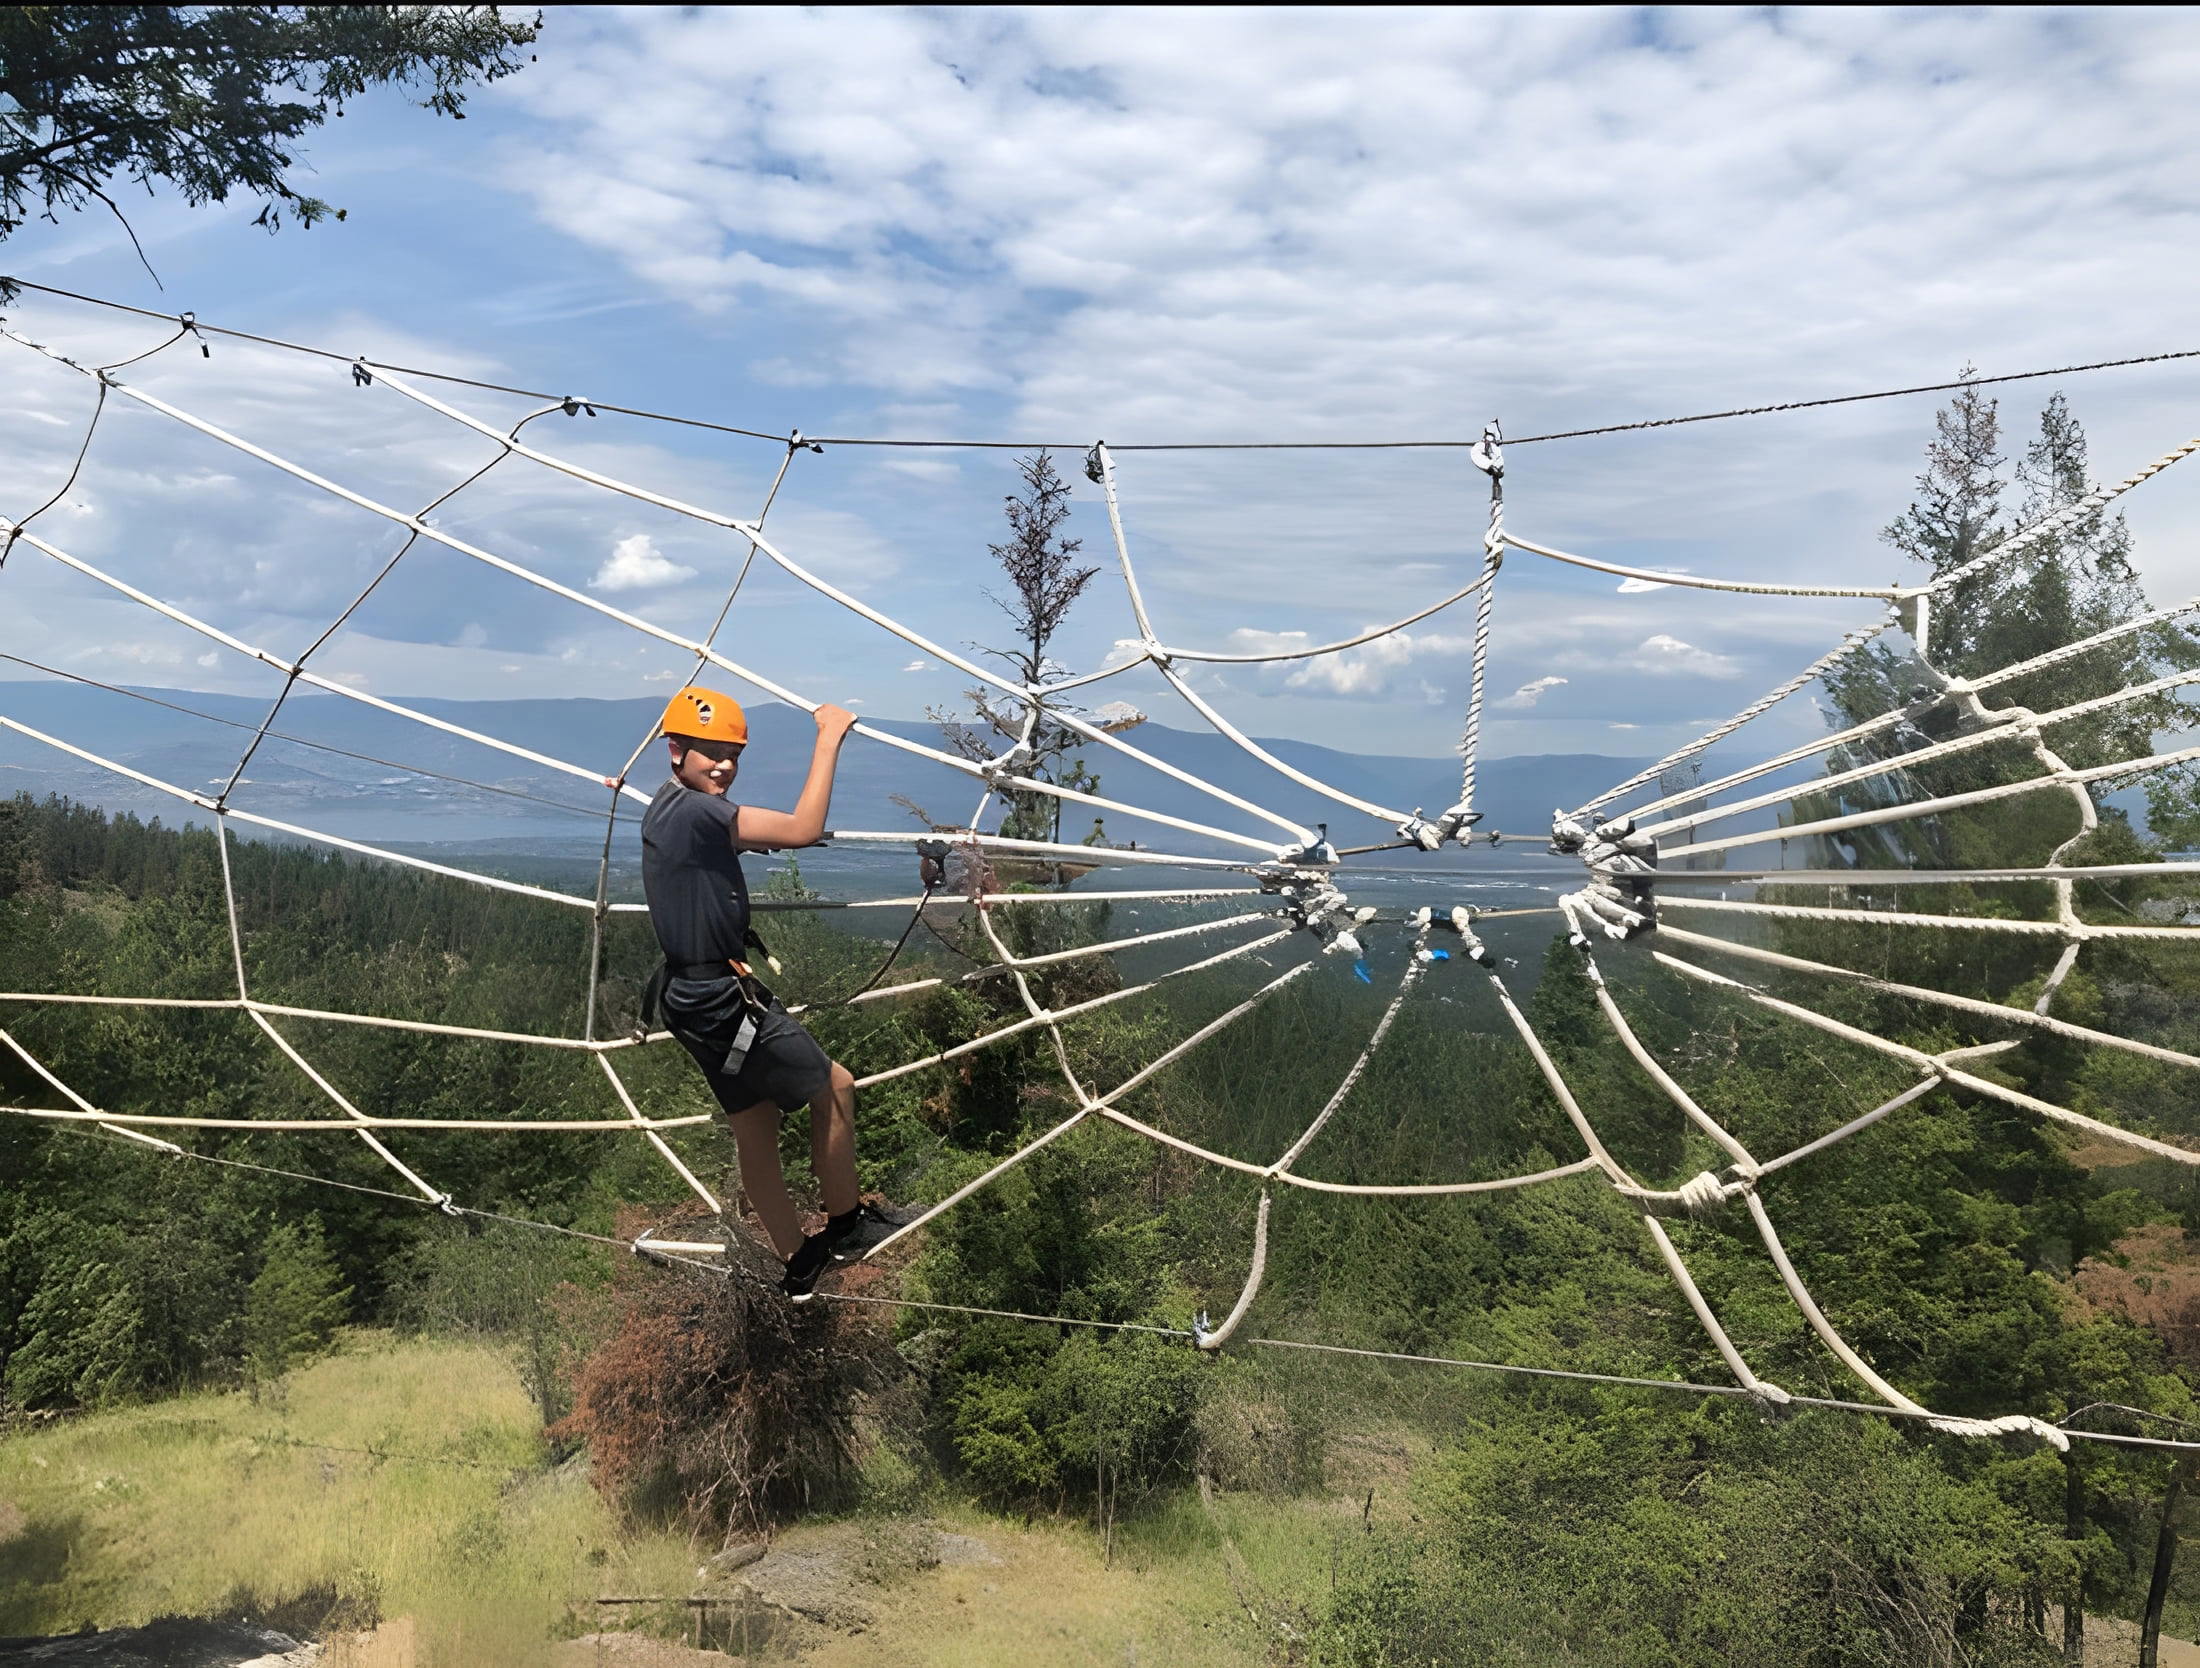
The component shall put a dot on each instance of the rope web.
(1286, 875)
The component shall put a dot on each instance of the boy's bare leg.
(756, 1145)
(833, 1142)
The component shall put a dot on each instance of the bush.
(1029, 1417)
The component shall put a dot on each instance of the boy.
(758, 1061)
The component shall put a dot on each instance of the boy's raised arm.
(756, 829)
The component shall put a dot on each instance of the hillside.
(364, 800)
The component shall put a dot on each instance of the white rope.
(329, 686)
(917, 640)
(1489, 457)
(1104, 467)
(2046, 526)
(1748, 587)
(1766, 1392)
(1933, 807)
(1257, 1266)
(511, 1126)
(1710, 738)
(1937, 1064)
(1706, 1193)
(1309, 898)
(2004, 724)
(1869, 879)
(2032, 1018)
(1211, 1341)
(1093, 1004)
(1905, 918)
(78, 1101)
(636, 623)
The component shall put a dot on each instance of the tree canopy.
(213, 100)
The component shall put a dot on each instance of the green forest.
(1982, 1259)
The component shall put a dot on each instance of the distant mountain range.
(366, 798)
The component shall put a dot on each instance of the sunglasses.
(718, 752)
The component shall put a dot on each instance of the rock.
(737, 1557)
(171, 1642)
(962, 1551)
(818, 1582)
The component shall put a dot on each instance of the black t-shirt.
(698, 899)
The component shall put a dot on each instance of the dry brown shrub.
(2155, 1283)
(716, 1400)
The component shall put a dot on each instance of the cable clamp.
(1201, 1331)
(1488, 453)
(1096, 469)
(573, 405)
(190, 323)
(445, 1204)
(795, 443)
(1316, 850)
(1427, 835)
(1773, 1403)
(361, 377)
(1462, 923)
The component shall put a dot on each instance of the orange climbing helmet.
(706, 715)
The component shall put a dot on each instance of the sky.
(1060, 225)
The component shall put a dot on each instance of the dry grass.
(1052, 1599)
(188, 1506)
(471, 1551)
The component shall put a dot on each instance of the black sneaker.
(864, 1229)
(806, 1267)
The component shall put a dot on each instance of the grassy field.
(404, 1481)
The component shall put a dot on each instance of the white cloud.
(208, 659)
(1529, 693)
(918, 666)
(635, 562)
(137, 654)
(1663, 655)
(1373, 669)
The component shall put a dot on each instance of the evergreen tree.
(296, 1301)
(1044, 584)
(1957, 512)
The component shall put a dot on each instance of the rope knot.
(2009, 1424)
(1008, 764)
(1458, 822)
(1701, 1195)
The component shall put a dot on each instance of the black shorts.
(784, 1064)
